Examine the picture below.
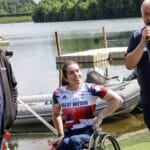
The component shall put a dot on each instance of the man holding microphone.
(138, 56)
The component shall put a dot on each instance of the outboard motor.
(131, 76)
(96, 76)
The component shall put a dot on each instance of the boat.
(128, 88)
(3, 43)
(130, 93)
(3, 46)
(42, 104)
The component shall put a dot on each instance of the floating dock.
(90, 57)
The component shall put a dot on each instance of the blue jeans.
(76, 139)
(74, 142)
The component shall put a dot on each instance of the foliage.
(16, 6)
(41, 13)
(62, 10)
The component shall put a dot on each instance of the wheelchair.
(99, 141)
(102, 141)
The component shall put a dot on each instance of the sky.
(36, 1)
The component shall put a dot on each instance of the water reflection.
(29, 141)
(124, 124)
(95, 40)
(13, 146)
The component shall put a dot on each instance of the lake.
(34, 47)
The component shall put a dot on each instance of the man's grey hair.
(145, 3)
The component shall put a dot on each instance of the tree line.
(16, 7)
(69, 10)
(64, 10)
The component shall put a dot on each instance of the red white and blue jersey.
(79, 106)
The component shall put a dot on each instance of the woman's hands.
(52, 145)
(97, 123)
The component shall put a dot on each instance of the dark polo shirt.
(143, 67)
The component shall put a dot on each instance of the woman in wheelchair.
(76, 100)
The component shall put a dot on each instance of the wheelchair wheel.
(96, 134)
(91, 143)
(106, 142)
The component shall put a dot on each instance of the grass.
(140, 146)
(15, 19)
(135, 141)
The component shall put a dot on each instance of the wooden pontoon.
(92, 56)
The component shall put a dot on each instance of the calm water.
(35, 49)
(35, 67)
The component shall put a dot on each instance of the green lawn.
(140, 146)
(14, 19)
(137, 141)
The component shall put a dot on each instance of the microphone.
(148, 38)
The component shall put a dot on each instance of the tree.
(16, 6)
(39, 14)
(63, 10)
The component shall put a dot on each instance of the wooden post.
(105, 37)
(59, 54)
(57, 43)
(106, 72)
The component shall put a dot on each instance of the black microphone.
(148, 38)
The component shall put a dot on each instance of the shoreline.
(15, 19)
